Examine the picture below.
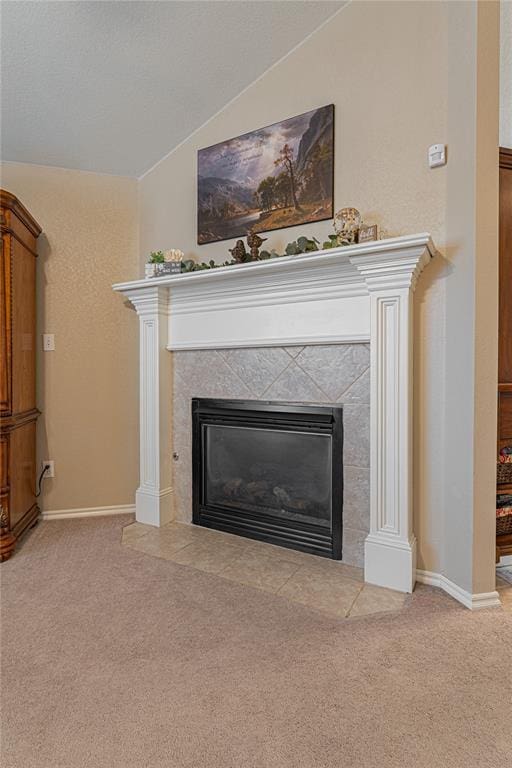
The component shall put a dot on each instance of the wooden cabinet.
(18, 412)
(504, 543)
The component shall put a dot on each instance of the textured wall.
(88, 387)
(318, 374)
(390, 105)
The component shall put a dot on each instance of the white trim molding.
(350, 294)
(64, 514)
(390, 277)
(474, 602)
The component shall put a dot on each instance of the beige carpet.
(114, 659)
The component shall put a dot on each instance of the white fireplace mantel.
(343, 295)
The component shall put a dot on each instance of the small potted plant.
(155, 258)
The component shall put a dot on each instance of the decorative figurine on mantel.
(239, 253)
(346, 225)
(255, 242)
(173, 256)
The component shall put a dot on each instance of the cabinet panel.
(23, 328)
(5, 325)
(505, 418)
(22, 471)
(4, 464)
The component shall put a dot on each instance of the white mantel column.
(153, 498)
(390, 548)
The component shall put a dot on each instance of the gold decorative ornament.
(255, 242)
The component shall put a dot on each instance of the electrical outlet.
(51, 471)
(48, 342)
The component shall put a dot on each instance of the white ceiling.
(114, 86)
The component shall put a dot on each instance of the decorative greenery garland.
(301, 245)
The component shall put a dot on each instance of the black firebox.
(270, 471)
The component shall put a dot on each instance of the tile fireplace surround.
(334, 326)
(310, 374)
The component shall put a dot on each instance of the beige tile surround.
(331, 373)
(331, 587)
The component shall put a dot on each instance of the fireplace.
(344, 295)
(270, 471)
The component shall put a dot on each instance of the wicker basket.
(504, 525)
(504, 473)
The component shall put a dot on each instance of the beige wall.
(390, 105)
(402, 76)
(486, 299)
(87, 387)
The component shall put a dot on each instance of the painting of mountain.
(274, 177)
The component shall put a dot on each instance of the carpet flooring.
(114, 659)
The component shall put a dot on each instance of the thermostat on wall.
(436, 155)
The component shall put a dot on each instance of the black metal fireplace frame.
(318, 419)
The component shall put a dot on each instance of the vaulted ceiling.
(114, 86)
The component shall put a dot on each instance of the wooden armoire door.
(18, 411)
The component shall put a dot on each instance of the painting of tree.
(285, 159)
(274, 177)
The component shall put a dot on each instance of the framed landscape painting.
(274, 177)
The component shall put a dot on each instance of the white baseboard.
(63, 514)
(473, 602)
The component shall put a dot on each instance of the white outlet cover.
(48, 342)
(49, 472)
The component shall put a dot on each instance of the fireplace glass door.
(270, 471)
(283, 474)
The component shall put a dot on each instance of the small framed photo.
(367, 233)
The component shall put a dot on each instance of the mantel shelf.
(285, 264)
(313, 298)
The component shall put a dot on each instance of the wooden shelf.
(503, 546)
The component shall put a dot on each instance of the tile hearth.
(329, 586)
